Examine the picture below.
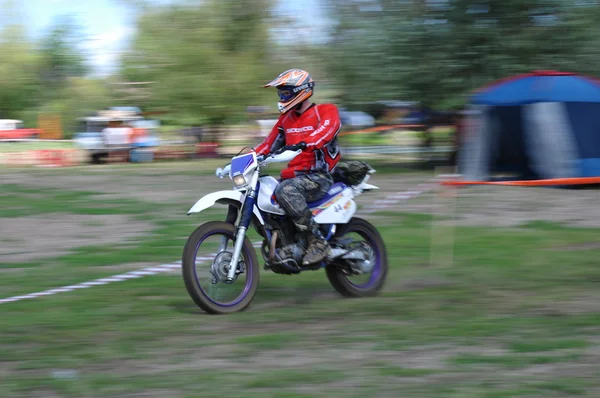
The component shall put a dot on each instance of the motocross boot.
(318, 248)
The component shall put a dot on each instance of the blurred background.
(491, 293)
(191, 72)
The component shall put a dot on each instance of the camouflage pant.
(292, 195)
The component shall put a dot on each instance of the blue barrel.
(142, 156)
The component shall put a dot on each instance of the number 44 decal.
(337, 208)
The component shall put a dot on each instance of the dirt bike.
(252, 203)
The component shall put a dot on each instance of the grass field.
(516, 315)
(441, 136)
(33, 146)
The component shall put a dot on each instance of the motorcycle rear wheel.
(339, 278)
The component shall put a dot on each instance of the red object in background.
(50, 157)
(136, 133)
(19, 134)
(207, 149)
(461, 128)
(530, 183)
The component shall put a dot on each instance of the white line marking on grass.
(395, 198)
(98, 282)
(157, 269)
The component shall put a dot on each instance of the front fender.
(225, 198)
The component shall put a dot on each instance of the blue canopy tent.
(539, 125)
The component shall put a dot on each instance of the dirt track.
(31, 238)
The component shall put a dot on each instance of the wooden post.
(443, 227)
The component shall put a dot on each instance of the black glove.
(295, 147)
(300, 145)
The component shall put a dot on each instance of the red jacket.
(318, 127)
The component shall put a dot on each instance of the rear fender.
(367, 187)
(363, 186)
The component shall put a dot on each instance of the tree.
(79, 97)
(436, 51)
(19, 82)
(62, 57)
(206, 62)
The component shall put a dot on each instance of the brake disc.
(220, 267)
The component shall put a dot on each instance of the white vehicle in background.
(10, 124)
(98, 137)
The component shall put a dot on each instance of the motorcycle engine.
(286, 251)
(294, 251)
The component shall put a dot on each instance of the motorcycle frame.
(244, 198)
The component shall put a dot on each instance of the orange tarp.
(530, 183)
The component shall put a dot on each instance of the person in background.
(116, 134)
(460, 122)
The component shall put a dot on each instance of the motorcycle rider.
(307, 177)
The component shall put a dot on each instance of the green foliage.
(79, 97)
(47, 79)
(432, 51)
(206, 62)
(61, 56)
(19, 85)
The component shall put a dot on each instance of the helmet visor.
(285, 93)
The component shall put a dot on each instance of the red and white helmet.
(293, 87)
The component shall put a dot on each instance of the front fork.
(232, 214)
(245, 220)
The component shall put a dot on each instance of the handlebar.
(284, 154)
(300, 146)
(222, 172)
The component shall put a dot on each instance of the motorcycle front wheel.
(205, 274)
